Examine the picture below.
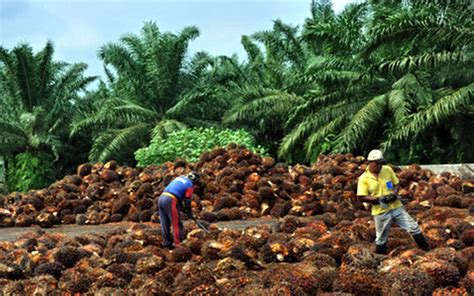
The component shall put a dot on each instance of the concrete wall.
(463, 170)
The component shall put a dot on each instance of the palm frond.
(368, 117)
(188, 34)
(119, 57)
(450, 28)
(441, 111)
(112, 143)
(7, 60)
(425, 60)
(110, 76)
(114, 113)
(9, 76)
(254, 55)
(165, 127)
(313, 142)
(135, 46)
(131, 110)
(51, 142)
(272, 107)
(11, 129)
(315, 102)
(455, 75)
(316, 121)
(25, 69)
(416, 88)
(201, 102)
(399, 106)
(45, 70)
(294, 49)
(70, 82)
(151, 33)
(321, 10)
(199, 64)
(329, 77)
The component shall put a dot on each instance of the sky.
(78, 28)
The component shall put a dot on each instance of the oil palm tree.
(404, 84)
(272, 85)
(149, 77)
(441, 42)
(208, 99)
(37, 97)
(340, 82)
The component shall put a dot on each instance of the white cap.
(375, 155)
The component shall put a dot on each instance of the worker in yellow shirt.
(378, 186)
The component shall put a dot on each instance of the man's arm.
(370, 199)
(395, 181)
(187, 202)
(396, 188)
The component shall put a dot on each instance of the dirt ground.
(13, 233)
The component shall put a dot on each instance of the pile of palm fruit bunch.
(323, 243)
(235, 184)
(300, 256)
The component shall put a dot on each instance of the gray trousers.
(383, 223)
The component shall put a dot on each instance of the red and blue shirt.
(181, 187)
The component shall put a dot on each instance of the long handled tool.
(201, 225)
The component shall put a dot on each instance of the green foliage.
(189, 144)
(396, 76)
(148, 78)
(27, 171)
(271, 83)
(38, 98)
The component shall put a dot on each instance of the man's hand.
(370, 199)
(389, 198)
(187, 208)
(190, 214)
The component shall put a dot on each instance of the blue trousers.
(383, 223)
(169, 216)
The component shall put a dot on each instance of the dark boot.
(381, 249)
(421, 242)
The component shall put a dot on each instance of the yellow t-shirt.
(369, 185)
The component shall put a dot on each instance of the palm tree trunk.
(3, 174)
